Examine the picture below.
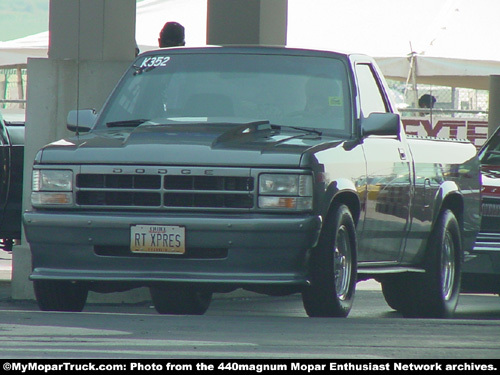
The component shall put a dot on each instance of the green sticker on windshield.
(335, 101)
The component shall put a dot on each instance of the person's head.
(426, 101)
(172, 35)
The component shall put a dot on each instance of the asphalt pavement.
(6, 278)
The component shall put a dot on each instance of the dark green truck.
(276, 170)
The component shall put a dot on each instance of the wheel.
(435, 293)
(180, 300)
(54, 295)
(333, 268)
(443, 271)
(396, 292)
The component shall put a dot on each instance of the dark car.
(11, 178)
(482, 265)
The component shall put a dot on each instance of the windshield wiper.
(140, 69)
(126, 123)
(306, 130)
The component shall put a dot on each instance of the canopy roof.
(448, 42)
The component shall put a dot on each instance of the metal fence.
(452, 101)
(453, 113)
(13, 87)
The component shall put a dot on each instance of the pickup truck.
(275, 170)
(11, 180)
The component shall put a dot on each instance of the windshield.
(300, 91)
(490, 154)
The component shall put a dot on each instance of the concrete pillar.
(494, 104)
(96, 30)
(257, 22)
(92, 42)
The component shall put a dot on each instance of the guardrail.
(22, 101)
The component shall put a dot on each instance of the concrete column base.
(21, 287)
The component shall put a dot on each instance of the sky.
(20, 18)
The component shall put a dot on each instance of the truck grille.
(164, 192)
(487, 241)
(490, 209)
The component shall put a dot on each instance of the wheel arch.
(455, 203)
(452, 199)
(449, 197)
(348, 197)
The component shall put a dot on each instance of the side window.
(370, 95)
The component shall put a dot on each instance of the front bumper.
(225, 249)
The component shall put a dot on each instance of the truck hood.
(193, 144)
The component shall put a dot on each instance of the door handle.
(427, 191)
(402, 153)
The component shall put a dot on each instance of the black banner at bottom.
(262, 366)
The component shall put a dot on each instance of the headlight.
(285, 184)
(52, 180)
(52, 187)
(285, 191)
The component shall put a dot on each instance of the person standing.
(171, 35)
(427, 101)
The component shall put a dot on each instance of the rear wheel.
(397, 291)
(55, 295)
(180, 300)
(333, 268)
(435, 293)
(439, 296)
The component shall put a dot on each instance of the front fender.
(449, 195)
(345, 191)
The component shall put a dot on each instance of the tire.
(332, 267)
(53, 295)
(180, 300)
(435, 293)
(397, 293)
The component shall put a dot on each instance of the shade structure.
(448, 42)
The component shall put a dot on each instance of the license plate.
(159, 239)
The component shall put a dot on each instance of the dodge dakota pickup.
(275, 170)
(11, 180)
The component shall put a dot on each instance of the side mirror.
(81, 120)
(380, 124)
